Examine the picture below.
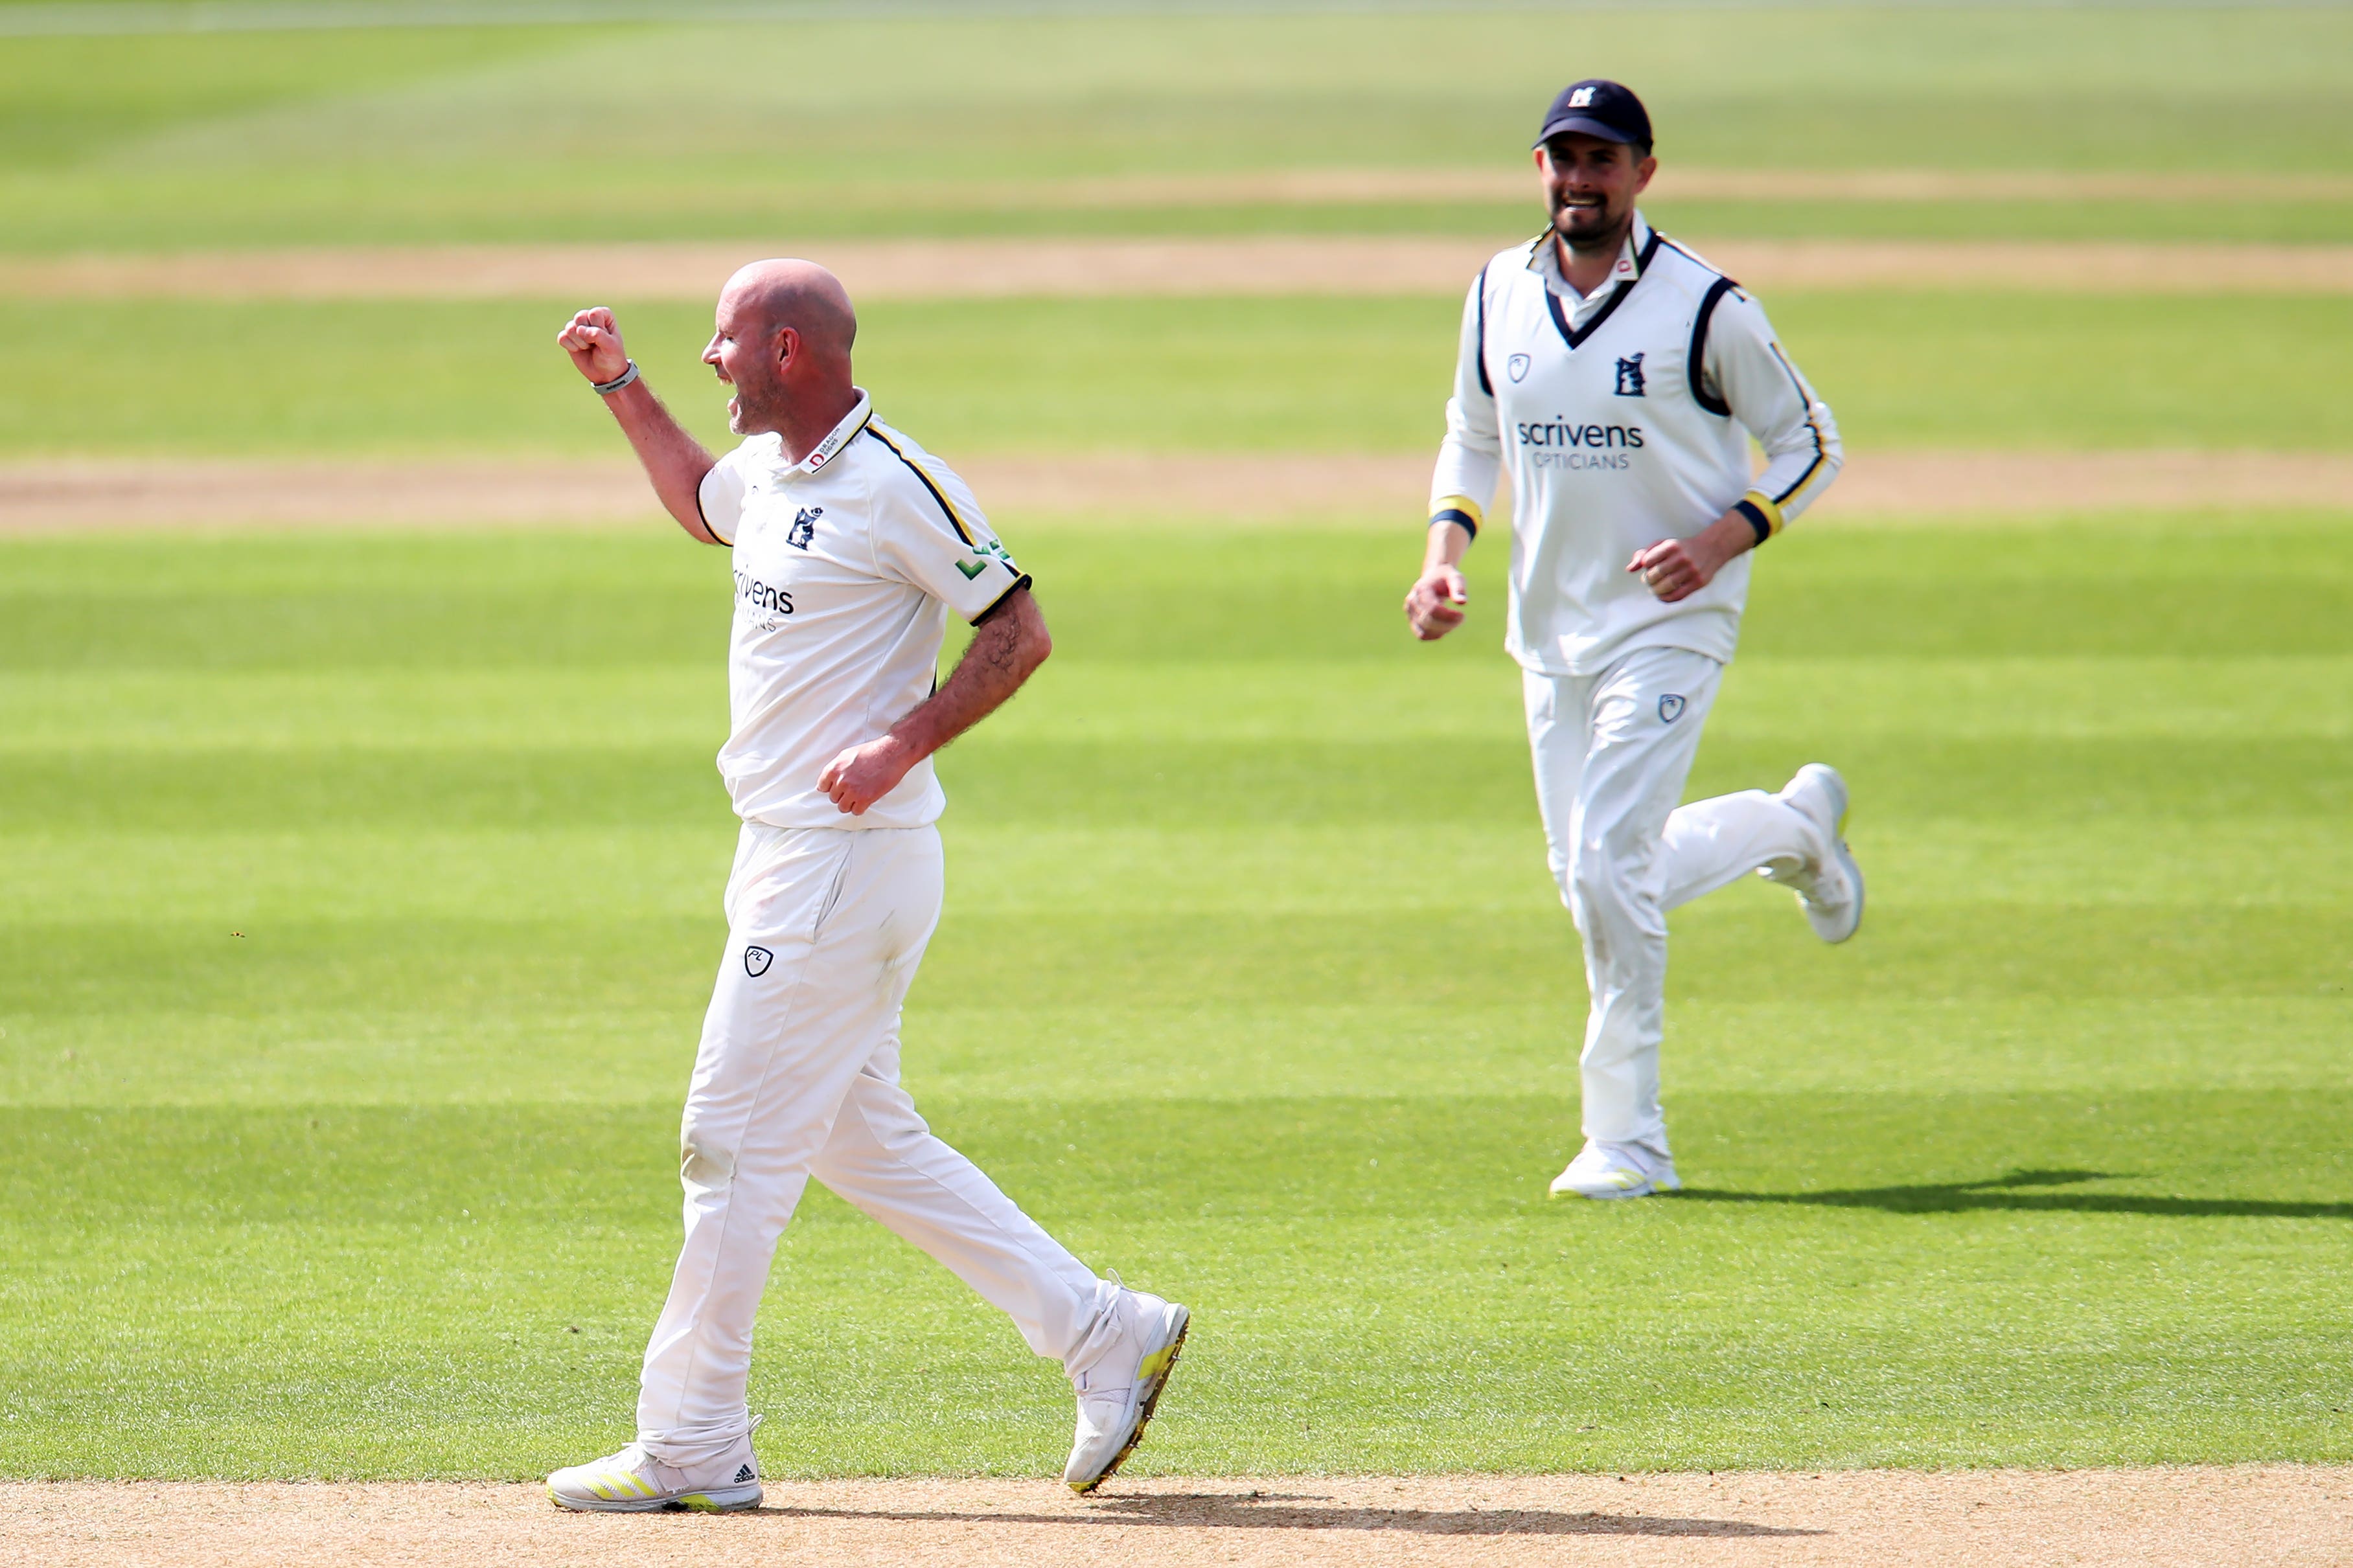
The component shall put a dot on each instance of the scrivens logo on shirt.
(1560, 445)
(765, 604)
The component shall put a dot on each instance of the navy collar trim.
(1575, 336)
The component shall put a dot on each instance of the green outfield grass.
(362, 891)
(823, 128)
(364, 903)
(1949, 369)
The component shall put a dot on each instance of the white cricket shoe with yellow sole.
(1119, 1390)
(1616, 1170)
(633, 1481)
(1829, 889)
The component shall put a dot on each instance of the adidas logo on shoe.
(743, 1475)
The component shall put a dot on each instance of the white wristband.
(606, 388)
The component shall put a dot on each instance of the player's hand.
(864, 774)
(1435, 605)
(593, 341)
(1677, 568)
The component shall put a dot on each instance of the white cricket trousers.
(797, 1076)
(1613, 752)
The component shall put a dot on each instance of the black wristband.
(1455, 514)
(1757, 519)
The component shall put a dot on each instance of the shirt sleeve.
(1471, 458)
(933, 535)
(1745, 368)
(720, 498)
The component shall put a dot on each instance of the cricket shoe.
(1617, 1170)
(633, 1481)
(1118, 1389)
(1829, 888)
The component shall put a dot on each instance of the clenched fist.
(1434, 604)
(864, 774)
(1676, 569)
(593, 341)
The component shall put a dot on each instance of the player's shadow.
(1238, 1511)
(2007, 1192)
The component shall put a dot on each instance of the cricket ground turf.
(363, 855)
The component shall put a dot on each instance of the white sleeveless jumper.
(1622, 419)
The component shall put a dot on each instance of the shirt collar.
(1544, 262)
(840, 435)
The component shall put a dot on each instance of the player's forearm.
(1449, 542)
(674, 461)
(1726, 537)
(1005, 652)
(1470, 464)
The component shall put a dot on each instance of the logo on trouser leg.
(1671, 708)
(756, 961)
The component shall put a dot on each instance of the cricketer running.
(850, 547)
(1616, 377)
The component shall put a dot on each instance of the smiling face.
(747, 352)
(1590, 187)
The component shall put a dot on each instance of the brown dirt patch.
(1077, 269)
(1876, 488)
(2199, 1517)
(1507, 182)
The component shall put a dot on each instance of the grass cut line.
(1288, 377)
(1240, 266)
(1897, 122)
(1110, 489)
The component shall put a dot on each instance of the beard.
(1586, 226)
(755, 407)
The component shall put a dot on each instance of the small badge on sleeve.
(1671, 708)
(756, 961)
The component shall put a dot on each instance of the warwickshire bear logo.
(804, 523)
(1629, 376)
(756, 961)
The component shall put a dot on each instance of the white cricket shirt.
(1622, 419)
(846, 565)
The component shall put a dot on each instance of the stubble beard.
(1605, 239)
(754, 409)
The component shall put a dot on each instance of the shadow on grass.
(2002, 1193)
(1230, 1510)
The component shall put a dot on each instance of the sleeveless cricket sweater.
(1623, 420)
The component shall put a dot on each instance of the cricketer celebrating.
(850, 547)
(1616, 377)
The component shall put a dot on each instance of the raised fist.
(593, 341)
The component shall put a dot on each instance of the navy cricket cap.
(1598, 108)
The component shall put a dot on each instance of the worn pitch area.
(2200, 1516)
(73, 494)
